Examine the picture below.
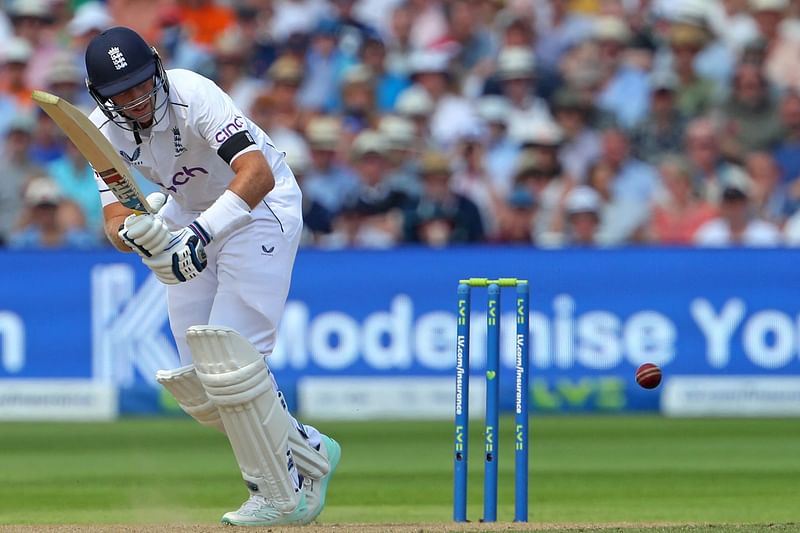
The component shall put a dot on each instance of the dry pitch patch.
(410, 528)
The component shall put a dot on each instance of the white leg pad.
(237, 381)
(310, 461)
(185, 386)
(190, 394)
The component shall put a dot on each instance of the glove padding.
(182, 260)
(147, 234)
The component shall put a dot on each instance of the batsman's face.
(137, 103)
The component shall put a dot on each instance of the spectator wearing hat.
(678, 211)
(544, 140)
(317, 220)
(266, 114)
(15, 55)
(661, 132)
(695, 94)
(500, 151)
(517, 219)
(714, 60)
(537, 175)
(358, 108)
(583, 216)
(736, 224)
(89, 19)
(403, 152)
(65, 79)
(372, 216)
(416, 105)
(370, 157)
(32, 21)
(438, 195)
(516, 67)
(750, 116)
(582, 73)
(781, 44)
(45, 221)
(583, 212)
(17, 168)
(516, 28)
(327, 180)
(453, 115)
(623, 89)
(623, 219)
(580, 146)
(285, 77)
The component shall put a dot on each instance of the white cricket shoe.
(316, 489)
(258, 511)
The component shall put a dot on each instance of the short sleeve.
(220, 122)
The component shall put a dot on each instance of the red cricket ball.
(648, 376)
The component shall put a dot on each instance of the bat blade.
(94, 146)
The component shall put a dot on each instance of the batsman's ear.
(156, 200)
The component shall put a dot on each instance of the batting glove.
(182, 260)
(146, 234)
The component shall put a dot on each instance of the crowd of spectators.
(540, 122)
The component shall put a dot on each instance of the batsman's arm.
(114, 215)
(253, 177)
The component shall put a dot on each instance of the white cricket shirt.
(188, 153)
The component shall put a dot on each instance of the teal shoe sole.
(295, 517)
(334, 455)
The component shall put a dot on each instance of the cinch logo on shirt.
(183, 176)
(226, 131)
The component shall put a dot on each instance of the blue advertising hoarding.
(595, 315)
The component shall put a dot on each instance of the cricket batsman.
(224, 242)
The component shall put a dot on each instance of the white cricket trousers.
(244, 286)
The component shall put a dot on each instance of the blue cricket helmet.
(117, 60)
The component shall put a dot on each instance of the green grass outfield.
(584, 470)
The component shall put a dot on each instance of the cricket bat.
(96, 149)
